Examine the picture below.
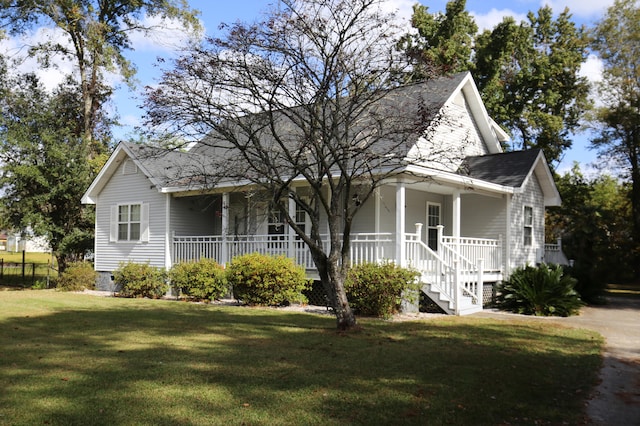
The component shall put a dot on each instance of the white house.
(465, 224)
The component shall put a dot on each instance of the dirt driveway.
(616, 400)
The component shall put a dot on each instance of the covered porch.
(404, 222)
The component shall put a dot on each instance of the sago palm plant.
(543, 290)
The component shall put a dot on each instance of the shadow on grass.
(153, 362)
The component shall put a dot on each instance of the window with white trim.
(129, 222)
(528, 225)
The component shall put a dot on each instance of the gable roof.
(514, 169)
(163, 167)
(176, 171)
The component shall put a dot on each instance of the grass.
(69, 359)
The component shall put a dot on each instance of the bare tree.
(307, 95)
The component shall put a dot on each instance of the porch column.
(400, 224)
(291, 238)
(169, 234)
(376, 195)
(224, 252)
(455, 211)
(506, 244)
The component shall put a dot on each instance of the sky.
(166, 45)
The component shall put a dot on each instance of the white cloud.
(165, 35)
(592, 68)
(487, 21)
(17, 49)
(403, 8)
(582, 8)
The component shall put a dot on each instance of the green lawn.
(72, 359)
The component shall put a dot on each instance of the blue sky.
(215, 12)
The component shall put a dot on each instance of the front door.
(433, 220)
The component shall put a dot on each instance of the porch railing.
(470, 249)
(553, 254)
(365, 247)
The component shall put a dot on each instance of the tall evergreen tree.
(528, 75)
(98, 33)
(442, 43)
(617, 41)
(44, 165)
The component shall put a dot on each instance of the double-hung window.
(129, 222)
(528, 225)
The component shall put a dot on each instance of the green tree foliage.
(98, 32)
(45, 169)
(528, 76)
(594, 222)
(527, 73)
(617, 41)
(443, 42)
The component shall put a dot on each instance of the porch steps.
(466, 307)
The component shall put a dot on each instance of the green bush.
(259, 279)
(377, 288)
(544, 290)
(77, 277)
(205, 279)
(140, 280)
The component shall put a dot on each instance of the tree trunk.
(333, 283)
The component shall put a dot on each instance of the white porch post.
(291, 250)
(169, 234)
(224, 252)
(480, 289)
(507, 241)
(376, 195)
(401, 258)
(456, 208)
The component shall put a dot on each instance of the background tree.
(300, 95)
(98, 34)
(442, 43)
(44, 165)
(528, 76)
(594, 222)
(617, 41)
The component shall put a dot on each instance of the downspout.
(507, 241)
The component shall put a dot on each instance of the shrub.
(542, 291)
(77, 277)
(204, 279)
(140, 280)
(377, 288)
(259, 279)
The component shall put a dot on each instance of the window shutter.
(113, 225)
(144, 222)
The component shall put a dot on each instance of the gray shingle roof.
(508, 168)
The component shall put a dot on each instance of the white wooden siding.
(532, 195)
(129, 189)
(453, 137)
(196, 215)
(483, 217)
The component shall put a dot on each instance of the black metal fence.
(26, 274)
